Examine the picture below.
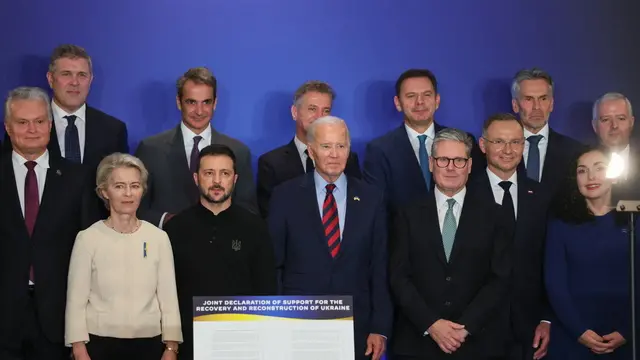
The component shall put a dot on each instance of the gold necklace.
(110, 225)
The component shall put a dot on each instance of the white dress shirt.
(443, 206)
(302, 147)
(61, 125)
(187, 138)
(415, 143)
(542, 146)
(498, 191)
(20, 173)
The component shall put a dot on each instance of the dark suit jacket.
(282, 164)
(360, 269)
(171, 187)
(104, 135)
(62, 214)
(562, 151)
(527, 304)
(391, 164)
(469, 289)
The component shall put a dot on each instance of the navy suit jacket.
(391, 164)
(305, 266)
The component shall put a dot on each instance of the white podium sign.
(273, 328)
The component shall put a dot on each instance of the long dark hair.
(570, 205)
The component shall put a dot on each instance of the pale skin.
(70, 81)
(534, 104)
(309, 108)
(330, 151)
(596, 188)
(418, 101)
(614, 124)
(123, 191)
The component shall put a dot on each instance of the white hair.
(326, 120)
(610, 96)
(26, 93)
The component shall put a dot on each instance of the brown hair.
(69, 51)
(199, 75)
(313, 86)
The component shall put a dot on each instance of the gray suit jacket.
(171, 188)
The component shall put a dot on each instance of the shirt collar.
(544, 132)
(441, 199)
(321, 183)
(59, 113)
(302, 147)
(42, 160)
(430, 132)
(494, 180)
(188, 135)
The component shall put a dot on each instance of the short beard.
(210, 200)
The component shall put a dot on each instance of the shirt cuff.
(545, 321)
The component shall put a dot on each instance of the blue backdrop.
(261, 51)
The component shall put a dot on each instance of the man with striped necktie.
(330, 236)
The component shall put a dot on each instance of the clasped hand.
(448, 335)
(602, 344)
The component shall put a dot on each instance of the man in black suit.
(397, 162)
(450, 262)
(80, 133)
(525, 315)
(532, 99)
(172, 156)
(44, 207)
(312, 100)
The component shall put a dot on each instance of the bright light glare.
(616, 166)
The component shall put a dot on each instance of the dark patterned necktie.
(330, 221)
(72, 140)
(31, 202)
(195, 154)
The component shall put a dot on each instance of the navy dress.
(587, 280)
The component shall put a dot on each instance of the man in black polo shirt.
(220, 249)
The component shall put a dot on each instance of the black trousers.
(33, 344)
(108, 348)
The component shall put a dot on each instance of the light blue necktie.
(449, 228)
(533, 159)
(424, 160)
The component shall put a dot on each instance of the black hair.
(416, 73)
(217, 150)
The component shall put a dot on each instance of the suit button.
(447, 303)
(448, 278)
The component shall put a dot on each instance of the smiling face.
(70, 81)
(503, 146)
(197, 105)
(418, 101)
(591, 175)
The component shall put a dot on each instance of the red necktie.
(31, 202)
(330, 221)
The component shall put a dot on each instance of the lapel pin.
(529, 191)
(356, 198)
(58, 172)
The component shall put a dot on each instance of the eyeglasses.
(459, 162)
(501, 144)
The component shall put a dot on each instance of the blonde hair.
(116, 161)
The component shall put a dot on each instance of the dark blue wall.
(262, 50)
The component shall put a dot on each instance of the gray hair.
(116, 161)
(451, 134)
(609, 97)
(26, 93)
(325, 120)
(529, 74)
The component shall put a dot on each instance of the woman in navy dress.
(587, 268)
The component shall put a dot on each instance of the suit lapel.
(293, 158)
(92, 136)
(553, 152)
(525, 203)
(431, 229)
(353, 211)
(407, 155)
(465, 224)
(54, 145)
(181, 173)
(52, 188)
(11, 196)
(309, 205)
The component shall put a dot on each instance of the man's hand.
(541, 340)
(376, 344)
(594, 342)
(614, 340)
(448, 335)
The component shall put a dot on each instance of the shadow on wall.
(578, 124)
(373, 106)
(491, 97)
